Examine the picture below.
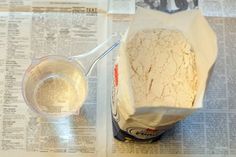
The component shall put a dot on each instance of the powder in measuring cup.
(55, 86)
(55, 95)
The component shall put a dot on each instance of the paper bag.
(131, 122)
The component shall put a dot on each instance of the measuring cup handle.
(89, 60)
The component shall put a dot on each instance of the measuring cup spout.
(89, 60)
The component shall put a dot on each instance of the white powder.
(162, 68)
(55, 86)
(56, 95)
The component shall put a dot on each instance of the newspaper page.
(121, 6)
(219, 8)
(32, 29)
(209, 132)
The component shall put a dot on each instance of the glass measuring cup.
(57, 86)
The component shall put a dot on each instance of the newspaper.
(211, 130)
(33, 28)
(121, 6)
(169, 6)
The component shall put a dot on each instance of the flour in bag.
(162, 68)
